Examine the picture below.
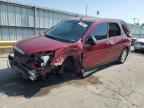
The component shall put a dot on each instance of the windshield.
(69, 30)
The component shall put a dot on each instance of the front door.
(94, 55)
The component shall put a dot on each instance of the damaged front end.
(32, 67)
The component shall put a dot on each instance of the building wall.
(19, 21)
(136, 30)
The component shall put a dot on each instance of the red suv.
(76, 45)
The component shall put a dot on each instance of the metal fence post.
(140, 31)
(35, 29)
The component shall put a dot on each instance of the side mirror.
(92, 40)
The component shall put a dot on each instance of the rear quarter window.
(125, 28)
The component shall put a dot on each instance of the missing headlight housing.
(43, 58)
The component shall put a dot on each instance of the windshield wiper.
(55, 38)
(51, 37)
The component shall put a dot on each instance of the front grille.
(20, 57)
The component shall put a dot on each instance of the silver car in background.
(139, 45)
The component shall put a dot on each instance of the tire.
(136, 50)
(68, 68)
(123, 56)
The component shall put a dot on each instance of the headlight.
(42, 58)
(45, 59)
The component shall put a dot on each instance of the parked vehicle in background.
(77, 45)
(133, 41)
(139, 45)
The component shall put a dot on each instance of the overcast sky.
(122, 9)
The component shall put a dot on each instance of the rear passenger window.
(114, 30)
(100, 31)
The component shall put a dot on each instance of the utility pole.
(98, 12)
(86, 10)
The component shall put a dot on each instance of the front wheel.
(123, 56)
(68, 68)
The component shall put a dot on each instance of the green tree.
(142, 24)
(137, 24)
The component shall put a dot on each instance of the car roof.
(93, 19)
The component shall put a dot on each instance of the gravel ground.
(114, 86)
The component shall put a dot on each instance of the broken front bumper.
(23, 70)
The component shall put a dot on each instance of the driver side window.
(99, 32)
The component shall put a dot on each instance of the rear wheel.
(123, 56)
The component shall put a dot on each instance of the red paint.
(39, 44)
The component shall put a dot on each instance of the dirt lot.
(114, 86)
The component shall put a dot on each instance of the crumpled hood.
(39, 44)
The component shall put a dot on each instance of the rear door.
(116, 41)
(94, 55)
